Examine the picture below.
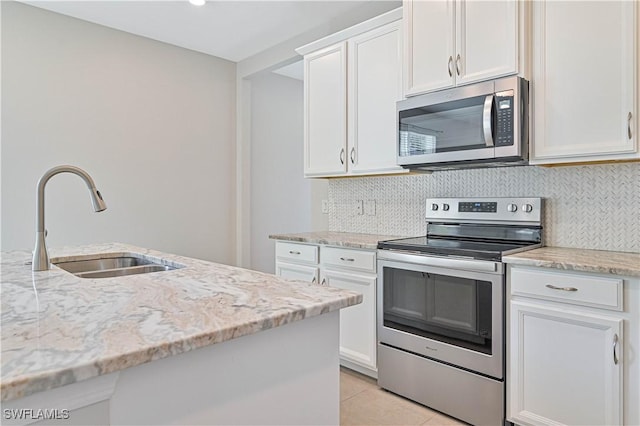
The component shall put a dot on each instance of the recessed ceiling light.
(197, 2)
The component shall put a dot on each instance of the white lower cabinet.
(566, 370)
(568, 362)
(293, 271)
(357, 323)
(350, 269)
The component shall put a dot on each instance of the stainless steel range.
(441, 305)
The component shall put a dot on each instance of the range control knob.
(528, 208)
(434, 207)
(512, 207)
(445, 207)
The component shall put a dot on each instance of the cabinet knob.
(434, 207)
(512, 208)
(527, 208)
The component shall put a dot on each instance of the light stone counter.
(341, 239)
(58, 329)
(570, 259)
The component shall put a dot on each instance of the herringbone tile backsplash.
(594, 207)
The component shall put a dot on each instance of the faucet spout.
(40, 255)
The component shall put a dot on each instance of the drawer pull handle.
(293, 252)
(347, 259)
(615, 346)
(553, 287)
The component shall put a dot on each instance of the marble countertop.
(571, 259)
(341, 239)
(58, 329)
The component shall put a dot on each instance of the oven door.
(447, 309)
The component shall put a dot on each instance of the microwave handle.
(486, 120)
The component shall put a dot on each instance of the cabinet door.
(375, 85)
(486, 39)
(357, 323)
(292, 271)
(325, 115)
(585, 84)
(429, 45)
(565, 367)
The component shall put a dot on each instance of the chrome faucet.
(40, 255)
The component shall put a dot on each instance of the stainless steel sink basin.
(106, 267)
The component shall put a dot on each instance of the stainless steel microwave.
(480, 125)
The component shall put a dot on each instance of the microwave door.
(457, 130)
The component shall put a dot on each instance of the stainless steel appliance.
(470, 126)
(441, 305)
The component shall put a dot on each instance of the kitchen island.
(203, 344)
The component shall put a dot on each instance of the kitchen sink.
(116, 266)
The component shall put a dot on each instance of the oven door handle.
(442, 262)
(486, 120)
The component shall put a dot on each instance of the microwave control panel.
(504, 121)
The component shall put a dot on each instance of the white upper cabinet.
(429, 45)
(486, 39)
(351, 90)
(325, 115)
(452, 42)
(375, 85)
(585, 91)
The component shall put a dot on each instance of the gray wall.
(152, 123)
(280, 196)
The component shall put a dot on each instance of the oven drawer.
(578, 289)
(307, 253)
(360, 260)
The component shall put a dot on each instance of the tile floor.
(362, 402)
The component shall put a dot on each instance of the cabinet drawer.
(359, 260)
(600, 292)
(307, 253)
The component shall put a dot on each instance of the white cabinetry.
(585, 91)
(351, 88)
(325, 114)
(454, 42)
(351, 269)
(571, 340)
(297, 261)
(354, 270)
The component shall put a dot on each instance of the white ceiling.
(230, 29)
